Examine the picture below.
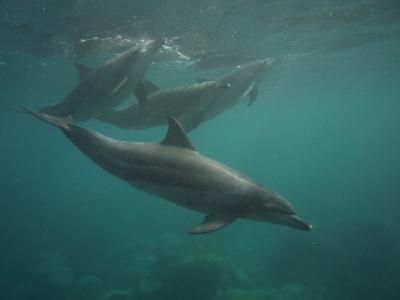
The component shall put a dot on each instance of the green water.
(323, 132)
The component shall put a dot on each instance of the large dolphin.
(180, 103)
(174, 170)
(240, 84)
(107, 86)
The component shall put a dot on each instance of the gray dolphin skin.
(187, 106)
(174, 170)
(243, 83)
(107, 86)
(182, 103)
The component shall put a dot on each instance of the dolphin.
(107, 86)
(179, 103)
(173, 169)
(191, 110)
(243, 83)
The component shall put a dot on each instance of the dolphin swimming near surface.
(107, 86)
(243, 83)
(174, 170)
(191, 110)
(182, 103)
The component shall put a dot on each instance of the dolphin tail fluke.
(62, 123)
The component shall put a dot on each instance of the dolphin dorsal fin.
(248, 91)
(176, 136)
(83, 70)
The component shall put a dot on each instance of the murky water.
(323, 131)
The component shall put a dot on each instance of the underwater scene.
(199, 150)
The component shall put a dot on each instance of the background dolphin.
(174, 170)
(243, 83)
(193, 104)
(179, 103)
(107, 86)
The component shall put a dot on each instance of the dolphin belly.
(198, 200)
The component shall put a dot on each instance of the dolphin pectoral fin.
(83, 70)
(213, 223)
(253, 95)
(141, 95)
(176, 136)
(150, 87)
(247, 91)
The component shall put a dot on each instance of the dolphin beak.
(259, 67)
(265, 62)
(269, 62)
(296, 222)
(154, 45)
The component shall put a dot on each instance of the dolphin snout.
(262, 65)
(265, 62)
(154, 45)
(256, 69)
(297, 222)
